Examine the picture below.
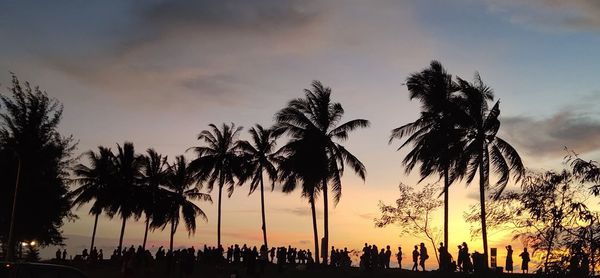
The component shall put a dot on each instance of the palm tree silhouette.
(182, 191)
(154, 171)
(295, 161)
(94, 183)
(483, 147)
(218, 162)
(434, 136)
(126, 189)
(313, 123)
(259, 157)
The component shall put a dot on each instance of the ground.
(225, 271)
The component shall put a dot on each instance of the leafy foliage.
(29, 138)
(413, 212)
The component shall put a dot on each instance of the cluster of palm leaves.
(131, 185)
(313, 159)
(455, 136)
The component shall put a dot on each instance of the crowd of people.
(372, 258)
(255, 259)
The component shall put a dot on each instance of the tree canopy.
(30, 140)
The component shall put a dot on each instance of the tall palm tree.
(259, 157)
(218, 162)
(126, 188)
(154, 174)
(94, 183)
(182, 191)
(483, 147)
(434, 137)
(295, 162)
(314, 122)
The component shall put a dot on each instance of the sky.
(158, 72)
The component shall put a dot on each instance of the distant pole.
(11, 243)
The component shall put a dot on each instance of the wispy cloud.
(551, 15)
(300, 211)
(547, 137)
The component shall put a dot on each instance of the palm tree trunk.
(172, 233)
(122, 234)
(325, 243)
(94, 231)
(315, 232)
(482, 184)
(446, 200)
(262, 206)
(146, 232)
(219, 217)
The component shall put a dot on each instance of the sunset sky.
(158, 72)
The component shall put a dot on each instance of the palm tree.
(182, 191)
(295, 162)
(154, 171)
(218, 162)
(434, 136)
(483, 147)
(314, 122)
(126, 188)
(260, 158)
(94, 183)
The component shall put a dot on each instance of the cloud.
(547, 137)
(151, 49)
(367, 216)
(551, 15)
(301, 211)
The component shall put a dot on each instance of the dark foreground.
(112, 270)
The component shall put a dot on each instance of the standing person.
(424, 256)
(466, 259)
(58, 254)
(84, 254)
(509, 260)
(64, 255)
(272, 253)
(388, 257)
(459, 259)
(525, 261)
(442, 263)
(399, 257)
(415, 255)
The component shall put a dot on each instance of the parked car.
(38, 270)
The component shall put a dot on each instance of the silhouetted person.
(64, 255)
(236, 254)
(127, 265)
(415, 256)
(84, 254)
(272, 253)
(94, 254)
(399, 257)
(509, 261)
(381, 259)
(525, 261)
(423, 255)
(100, 255)
(388, 256)
(58, 254)
(250, 261)
(443, 265)
(460, 259)
(229, 254)
(467, 265)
